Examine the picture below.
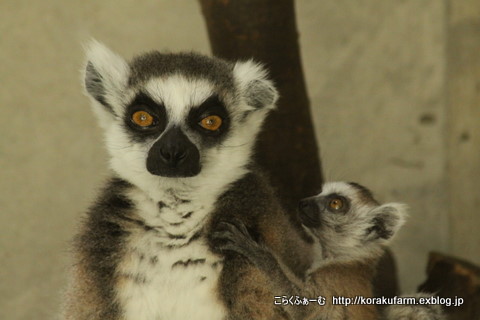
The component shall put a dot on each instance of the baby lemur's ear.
(254, 85)
(386, 220)
(106, 76)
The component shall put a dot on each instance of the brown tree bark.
(454, 278)
(266, 31)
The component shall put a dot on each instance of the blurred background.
(394, 89)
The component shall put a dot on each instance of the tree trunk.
(265, 30)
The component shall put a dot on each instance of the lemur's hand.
(234, 236)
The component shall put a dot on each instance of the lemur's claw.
(234, 236)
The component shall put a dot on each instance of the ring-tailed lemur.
(180, 129)
(351, 229)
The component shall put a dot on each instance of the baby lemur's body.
(180, 130)
(350, 228)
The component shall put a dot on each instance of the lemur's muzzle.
(309, 212)
(174, 155)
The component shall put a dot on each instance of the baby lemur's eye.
(336, 204)
(211, 123)
(142, 118)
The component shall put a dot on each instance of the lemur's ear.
(257, 90)
(106, 75)
(386, 220)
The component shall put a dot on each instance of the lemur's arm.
(235, 237)
(325, 282)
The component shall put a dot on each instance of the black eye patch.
(142, 102)
(212, 106)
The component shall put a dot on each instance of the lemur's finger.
(240, 226)
(231, 247)
(223, 235)
(227, 226)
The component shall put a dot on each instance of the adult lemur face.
(177, 115)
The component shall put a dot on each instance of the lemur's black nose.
(309, 212)
(173, 147)
(174, 155)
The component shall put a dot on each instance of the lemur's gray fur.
(351, 229)
(180, 130)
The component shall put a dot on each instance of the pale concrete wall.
(376, 77)
(463, 76)
(376, 73)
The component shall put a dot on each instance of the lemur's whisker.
(234, 146)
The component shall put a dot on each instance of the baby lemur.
(350, 229)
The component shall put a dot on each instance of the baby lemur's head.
(349, 223)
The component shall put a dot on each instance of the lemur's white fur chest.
(168, 271)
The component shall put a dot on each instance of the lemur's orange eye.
(336, 204)
(211, 123)
(142, 119)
